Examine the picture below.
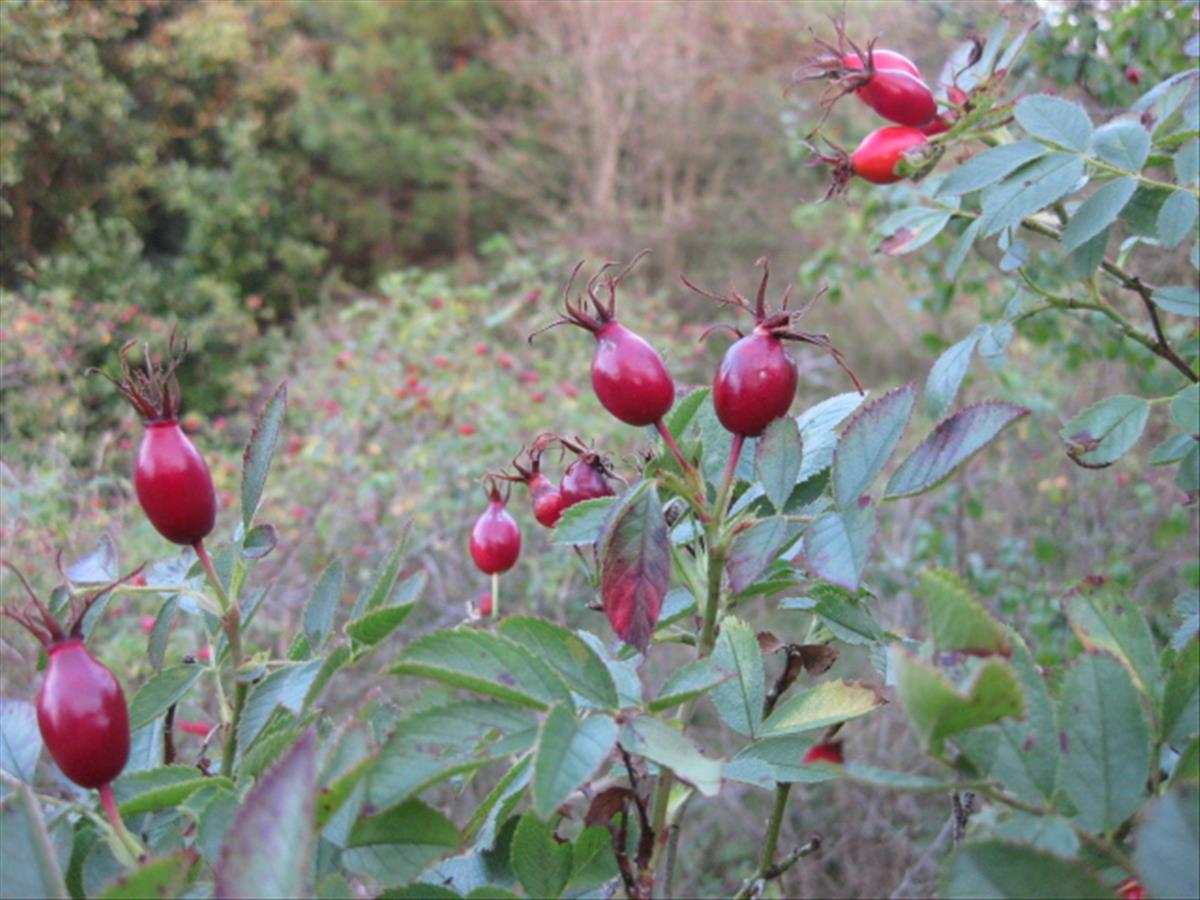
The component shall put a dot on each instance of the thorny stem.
(752, 886)
(232, 626)
(109, 802)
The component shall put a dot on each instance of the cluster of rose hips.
(891, 84)
(753, 386)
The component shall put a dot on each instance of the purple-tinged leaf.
(868, 442)
(837, 545)
(753, 551)
(1100, 435)
(634, 553)
(952, 443)
(269, 850)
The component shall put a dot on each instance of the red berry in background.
(1133, 75)
(200, 729)
(496, 538)
(1131, 889)
(876, 158)
(481, 349)
(466, 430)
(441, 362)
(82, 716)
(172, 479)
(203, 654)
(147, 624)
(505, 361)
(537, 396)
(568, 389)
(957, 95)
(343, 359)
(530, 376)
(830, 752)
(628, 375)
(755, 384)
(485, 604)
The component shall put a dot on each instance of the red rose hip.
(496, 538)
(755, 384)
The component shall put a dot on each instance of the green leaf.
(485, 663)
(1187, 767)
(990, 166)
(868, 442)
(956, 619)
(1181, 697)
(497, 805)
(259, 541)
(739, 701)
(432, 745)
(817, 433)
(1188, 477)
(164, 877)
(684, 411)
(396, 845)
(268, 851)
(690, 680)
(752, 551)
(322, 605)
(1165, 846)
(581, 524)
(825, 704)
(1055, 120)
(542, 865)
(1187, 163)
(98, 566)
(780, 758)
(1083, 260)
(161, 788)
(842, 613)
(24, 837)
(937, 709)
(1106, 742)
(1029, 190)
(577, 664)
(999, 869)
(1185, 409)
(837, 544)
(1101, 434)
(378, 591)
(161, 692)
(948, 372)
(890, 780)
(1104, 618)
(951, 445)
(1172, 450)
(1097, 212)
(569, 752)
(959, 254)
(1177, 218)
(1160, 102)
(160, 634)
(777, 460)
(285, 687)
(1023, 753)
(634, 556)
(659, 742)
(916, 233)
(1183, 301)
(20, 741)
(372, 627)
(256, 462)
(1123, 143)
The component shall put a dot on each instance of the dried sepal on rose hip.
(628, 375)
(756, 380)
(885, 80)
(495, 538)
(81, 709)
(173, 483)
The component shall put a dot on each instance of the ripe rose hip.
(496, 538)
(585, 479)
(544, 497)
(171, 478)
(81, 710)
(756, 380)
(883, 59)
(628, 376)
(899, 97)
(876, 158)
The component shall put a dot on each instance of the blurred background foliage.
(379, 201)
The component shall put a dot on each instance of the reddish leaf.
(635, 565)
(607, 804)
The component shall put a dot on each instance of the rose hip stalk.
(756, 380)
(495, 539)
(628, 375)
(81, 709)
(172, 479)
